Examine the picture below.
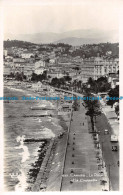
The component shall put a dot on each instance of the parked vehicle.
(114, 138)
(118, 163)
(106, 131)
(114, 148)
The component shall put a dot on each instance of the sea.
(20, 123)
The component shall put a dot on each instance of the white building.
(52, 61)
(9, 58)
(27, 55)
(39, 67)
(5, 52)
(39, 71)
(98, 67)
(39, 64)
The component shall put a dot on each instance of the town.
(33, 62)
(89, 145)
(64, 66)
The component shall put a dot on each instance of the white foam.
(48, 133)
(25, 154)
(22, 185)
(41, 105)
(40, 121)
(54, 124)
(49, 119)
(12, 88)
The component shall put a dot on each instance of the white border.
(60, 2)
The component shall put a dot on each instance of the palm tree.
(93, 110)
(79, 84)
(75, 84)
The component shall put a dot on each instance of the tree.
(44, 75)
(75, 84)
(90, 81)
(61, 81)
(54, 82)
(93, 85)
(39, 77)
(93, 110)
(99, 85)
(34, 77)
(11, 75)
(113, 93)
(18, 76)
(75, 105)
(79, 85)
(67, 78)
(117, 109)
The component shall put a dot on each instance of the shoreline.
(52, 147)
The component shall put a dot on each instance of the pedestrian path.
(81, 171)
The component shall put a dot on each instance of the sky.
(36, 17)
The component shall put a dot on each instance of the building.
(98, 67)
(8, 58)
(5, 52)
(6, 71)
(113, 79)
(39, 67)
(52, 61)
(27, 55)
(55, 74)
(29, 69)
(39, 64)
(114, 82)
(18, 60)
(87, 70)
(19, 69)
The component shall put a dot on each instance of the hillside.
(17, 43)
(85, 50)
(73, 37)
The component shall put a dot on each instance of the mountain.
(80, 41)
(34, 38)
(75, 37)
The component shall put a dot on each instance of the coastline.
(50, 150)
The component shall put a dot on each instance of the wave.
(12, 88)
(25, 154)
(48, 133)
(22, 185)
(40, 121)
(55, 124)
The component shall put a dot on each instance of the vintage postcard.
(60, 99)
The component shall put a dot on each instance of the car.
(106, 131)
(114, 138)
(118, 163)
(114, 148)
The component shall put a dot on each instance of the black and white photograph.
(61, 98)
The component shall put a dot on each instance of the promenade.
(76, 165)
(81, 169)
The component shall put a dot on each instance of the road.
(110, 157)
